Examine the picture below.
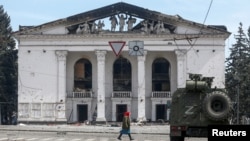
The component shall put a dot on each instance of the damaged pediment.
(121, 23)
(119, 18)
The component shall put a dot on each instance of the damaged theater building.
(96, 65)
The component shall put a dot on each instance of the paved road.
(65, 136)
(154, 129)
(84, 133)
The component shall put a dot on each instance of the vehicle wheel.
(176, 138)
(216, 106)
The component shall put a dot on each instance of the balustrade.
(121, 94)
(161, 94)
(80, 95)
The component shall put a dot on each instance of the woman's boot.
(119, 138)
(130, 137)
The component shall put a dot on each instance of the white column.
(153, 111)
(141, 86)
(100, 85)
(113, 110)
(61, 84)
(181, 68)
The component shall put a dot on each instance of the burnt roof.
(117, 8)
(124, 8)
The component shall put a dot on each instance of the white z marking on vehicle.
(189, 110)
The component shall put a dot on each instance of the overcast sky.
(222, 12)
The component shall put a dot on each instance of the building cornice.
(120, 36)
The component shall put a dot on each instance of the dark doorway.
(160, 111)
(82, 111)
(120, 109)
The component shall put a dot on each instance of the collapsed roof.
(170, 22)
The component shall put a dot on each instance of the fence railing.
(121, 94)
(161, 94)
(80, 94)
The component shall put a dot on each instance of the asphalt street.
(147, 129)
(24, 132)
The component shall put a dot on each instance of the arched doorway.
(83, 88)
(160, 88)
(121, 86)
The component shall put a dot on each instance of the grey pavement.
(82, 128)
(149, 132)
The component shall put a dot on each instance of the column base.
(141, 119)
(61, 120)
(100, 121)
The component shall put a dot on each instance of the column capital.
(142, 58)
(101, 54)
(181, 54)
(61, 54)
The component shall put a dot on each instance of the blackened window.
(160, 75)
(122, 75)
(83, 74)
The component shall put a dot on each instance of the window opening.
(160, 75)
(122, 75)
(83, 75)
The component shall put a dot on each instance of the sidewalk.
(81, 128)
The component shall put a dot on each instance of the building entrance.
(120, 109)
(82, 112)
(161, 112)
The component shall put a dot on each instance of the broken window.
(160, 75)
(83, 75)
(122, 75)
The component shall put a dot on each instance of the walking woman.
(125, 126)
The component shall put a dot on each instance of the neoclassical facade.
(98, 64)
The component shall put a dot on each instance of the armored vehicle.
(195, 107)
